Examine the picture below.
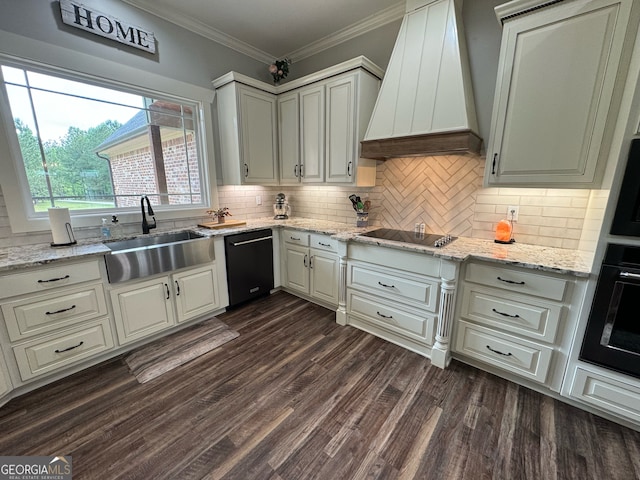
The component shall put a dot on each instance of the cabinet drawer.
(380, 281)
(518, 356)
(323, 242)
(42, 279)
(607, 394)
(517, 281)
(296, 237)
(36, 315)
(413, 323)
(416, 262)
(516, 314)
(44, 355)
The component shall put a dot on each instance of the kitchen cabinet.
(394, 295)
(196, 292)
(311, 266)
(556, 94)
(312, 128)
(142, 308)
(518, 321)
(150, 306)
(289, 137)
(5, 383)
(55, 317)
(247, 128)
(607, 391)
(318, 122)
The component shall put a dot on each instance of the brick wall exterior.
(134, 173)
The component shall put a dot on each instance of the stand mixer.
(281, 207)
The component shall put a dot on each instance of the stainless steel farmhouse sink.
(150, 255)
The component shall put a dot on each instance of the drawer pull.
(54, 279)
(505, 314)
(386, 286)
(384, 316)
(510, 281)
(295, 239)
(60, 311)
(499, 352)
(324, 244)
(70, 348)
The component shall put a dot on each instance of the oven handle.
(630, 275)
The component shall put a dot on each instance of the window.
(89, 147)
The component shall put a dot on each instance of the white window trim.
(27, 51)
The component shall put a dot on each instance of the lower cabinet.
(5, 383)
(606, 392)
(311, 265)
(393, 294)
(518, 320)
(143, 308)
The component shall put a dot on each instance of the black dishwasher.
(249, 258)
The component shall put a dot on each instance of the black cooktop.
(427, 239)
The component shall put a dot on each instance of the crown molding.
(377, 20)
(200, 28)
(367, 24)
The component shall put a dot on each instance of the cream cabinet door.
(554, 93)
(258, 136)
(297, 268)
(196, 292)
(312, 125)
(323, 268)
(341, 144)
(5, 384)
(142, 309)
(289, 137)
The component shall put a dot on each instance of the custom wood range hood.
(425, 105)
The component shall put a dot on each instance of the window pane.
(13, 75)
(99, 153)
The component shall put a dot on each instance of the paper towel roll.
(60, 221)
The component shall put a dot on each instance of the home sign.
(105, 25)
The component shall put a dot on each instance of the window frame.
(16, 190)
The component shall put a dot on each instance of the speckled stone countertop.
(529, 256)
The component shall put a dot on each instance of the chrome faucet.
(146, 226)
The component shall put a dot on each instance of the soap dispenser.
(116, 228)
(105, 229)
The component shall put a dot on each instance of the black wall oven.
(626, 220)
(612, 338)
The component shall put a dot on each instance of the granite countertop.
(529, 256)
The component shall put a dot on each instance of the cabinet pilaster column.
(341, 313)
(441, 352)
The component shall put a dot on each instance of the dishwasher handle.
(254, 240)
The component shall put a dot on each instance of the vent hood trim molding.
(445, 143)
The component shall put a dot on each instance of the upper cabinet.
(318, 124)
(556, 98)
(247, 126)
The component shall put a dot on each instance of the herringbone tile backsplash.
(443, 192)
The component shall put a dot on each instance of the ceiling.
(273, 29)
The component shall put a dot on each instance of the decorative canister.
(363, 219)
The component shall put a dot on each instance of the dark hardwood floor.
(298, 397)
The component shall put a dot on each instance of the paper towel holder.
(72, 238)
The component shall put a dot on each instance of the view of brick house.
(152, 155)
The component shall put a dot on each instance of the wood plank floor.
(298, 397)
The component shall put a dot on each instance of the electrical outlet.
(423, 227)
(416, 228)
(512, 213)
(258, 200)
